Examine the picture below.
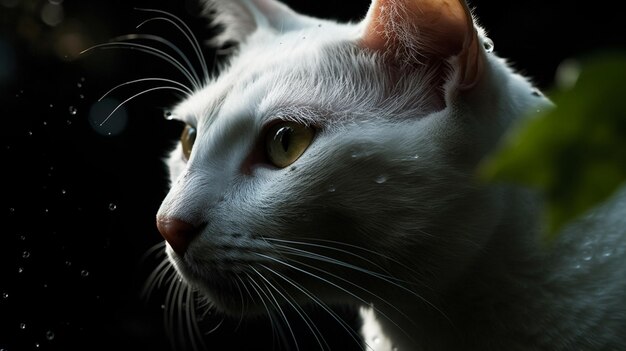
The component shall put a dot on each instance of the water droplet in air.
(162, 307)
(25, 254)
(22, 326)
(381, 179)
(68, 263)
(488, 45)
(68, 122)
(11, 210)
(44, 123)
(37, 345)
(22, 237)
(51, 105)
(30, 133)
(81, 96)
(112, 207)
(63, 191)
(20, 270)
(84, 273)
(332, 189)
(5, 295)
(80, 85)
(73, 110)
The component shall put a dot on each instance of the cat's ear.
(421, 30)
(237, 19)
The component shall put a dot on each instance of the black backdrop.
(77, 205)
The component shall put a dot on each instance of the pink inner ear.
(427, 29)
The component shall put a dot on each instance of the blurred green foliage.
(575, 154)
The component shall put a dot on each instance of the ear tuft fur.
(234, 19)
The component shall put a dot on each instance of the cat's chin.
(220, 288)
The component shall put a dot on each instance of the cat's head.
(331, 158)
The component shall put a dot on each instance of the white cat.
(335, 164)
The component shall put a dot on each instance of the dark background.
(77, 206)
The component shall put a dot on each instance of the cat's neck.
(469, 306)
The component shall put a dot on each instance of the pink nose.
(177, 233)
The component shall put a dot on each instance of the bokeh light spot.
(104, 124)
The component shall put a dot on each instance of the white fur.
(391, 172)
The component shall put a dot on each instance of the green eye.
(286, 142)
(187, 139)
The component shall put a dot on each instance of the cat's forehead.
(266, 60)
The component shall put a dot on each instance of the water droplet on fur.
(112, 207)
(381, 179)
(25, 254)
(22, 326)
(73, 110)
(536, 92)
(84, 273)
(395, 348)
(168, 115)
(376, 340)
(488, 45)
(332, 189)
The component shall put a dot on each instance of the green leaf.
(575, 154)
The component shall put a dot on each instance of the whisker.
(307, 320)
(168, 320)
(243, 304)
(150, 284)
(180, 328)
(188, 91)
(386, 257)
(149, 50)
(332, 248)
(323, 258)
(158, 39)
(137, 95)
(353, 334)
(275, 303)
(193, 322)
(340, 288)
(191, 37)
(342, 263)
(154, 248)
(276, 329)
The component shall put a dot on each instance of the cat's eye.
(286, 142)
(187, 139)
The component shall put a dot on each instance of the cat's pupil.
(284, 136)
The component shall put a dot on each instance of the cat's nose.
(177, 233)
